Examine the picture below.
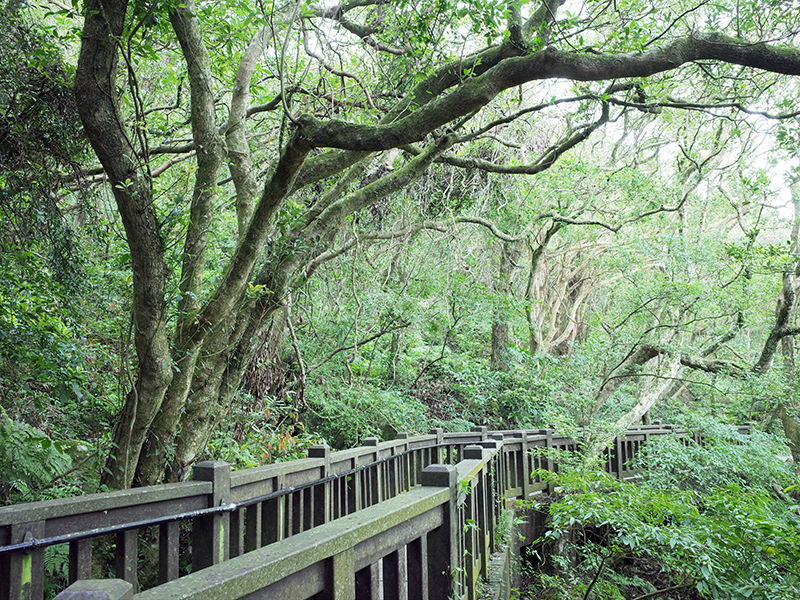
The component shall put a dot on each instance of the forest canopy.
(276, 223)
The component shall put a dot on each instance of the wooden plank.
(168, 551)
(80, 560)
(85, 511)
(126, 557)
(122, 516)
(24, 569)
(367, 583)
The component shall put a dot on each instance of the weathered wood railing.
(413, 517)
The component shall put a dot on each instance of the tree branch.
(209, 152)
(337, 12)
(665, 590)
(240, 162)
(781, 328)
(249, 249)
(496, 231)
(655, 106)
(337, 72)
(474, 93)
(382, 187)
(352, 242)
(382, 332)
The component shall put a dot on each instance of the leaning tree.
(305, 114)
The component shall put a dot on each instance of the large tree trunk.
(96, 92)
(219, 376)
(202, 410)
(659, 386)
(787, 409)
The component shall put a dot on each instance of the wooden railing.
(413, 517)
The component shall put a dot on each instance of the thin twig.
(673, 588)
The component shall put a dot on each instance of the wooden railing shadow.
(414, 517)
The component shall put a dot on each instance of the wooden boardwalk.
(412, 518)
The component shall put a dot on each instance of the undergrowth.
(716, 520)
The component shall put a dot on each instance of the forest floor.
(628, 579)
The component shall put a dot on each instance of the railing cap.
(319, 451)
(439, 476)
(472, 452)
(98, 589)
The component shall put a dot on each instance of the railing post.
(98, 589)
(168, 551)
(473, 452)
(443, 556)
(495, 485)
(24, 569)
(238, 532)
(482, 429)
(526, 467)
(322, 493)
(80, 560)
(210, 543)
(273, 515)
(342, 577)
(474, 523)
(550, 465)
(402, 471)
(374, 484)
(435, 457)
(618, 455)
(126, 557)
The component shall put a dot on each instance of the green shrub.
(29, 460)
(345, 416)
(258, 432)
(707, 515)
(725, 457)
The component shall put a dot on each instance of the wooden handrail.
(236, 514)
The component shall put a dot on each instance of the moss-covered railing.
(414, 517)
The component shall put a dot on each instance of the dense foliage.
(233, 230)
(715, 519)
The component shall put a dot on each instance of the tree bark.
(96, 93)
(789, 406)
(498, 359)
(204, 132)
(535, 334)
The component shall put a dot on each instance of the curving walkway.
(412, 518)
